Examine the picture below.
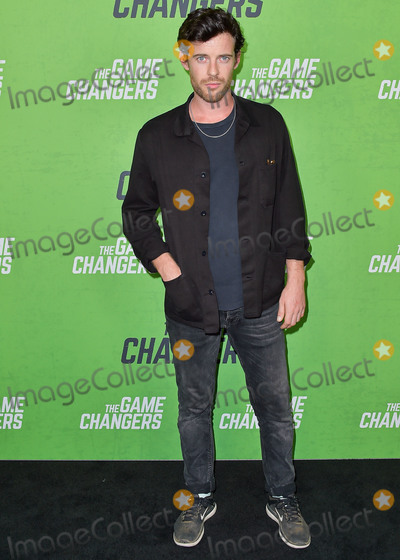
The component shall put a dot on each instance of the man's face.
(211, 67)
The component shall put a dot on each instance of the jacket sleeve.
(289, 215)
(139, 210)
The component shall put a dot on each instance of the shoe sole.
(285, 540)
(193, 543)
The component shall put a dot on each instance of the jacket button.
(203, 213)
(211, 292)
(204, 253)
(203, 174)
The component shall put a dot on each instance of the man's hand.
(292, 302)
(166, 267)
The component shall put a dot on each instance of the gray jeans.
(260, 346)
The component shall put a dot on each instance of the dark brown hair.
(205, 23)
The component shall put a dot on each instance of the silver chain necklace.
(209, 135)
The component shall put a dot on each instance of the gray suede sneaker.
(293, 530)
(189, 527)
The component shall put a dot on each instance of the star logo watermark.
(183, 499)
(183, 199)
(383, 350)
(383, 200)
(383, 49)
(383, 500)
(183, 50)
(183, 350)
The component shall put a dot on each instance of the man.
(222, 172)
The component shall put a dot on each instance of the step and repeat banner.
(86, 366)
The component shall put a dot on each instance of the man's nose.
(213, 68)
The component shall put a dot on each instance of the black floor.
(124, 510)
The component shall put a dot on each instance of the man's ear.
(237, 60)
(185, 64)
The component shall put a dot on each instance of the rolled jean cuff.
(201, 489)
(284, 491)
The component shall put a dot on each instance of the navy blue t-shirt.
(223, 233)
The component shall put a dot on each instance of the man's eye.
(224, 58)
(201, 58)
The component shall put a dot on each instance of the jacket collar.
(184, 126)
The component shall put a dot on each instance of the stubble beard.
(209, 95)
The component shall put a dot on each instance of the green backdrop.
(82, 331)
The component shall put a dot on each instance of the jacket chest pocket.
(267, 182)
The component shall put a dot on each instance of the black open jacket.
(169, 156)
